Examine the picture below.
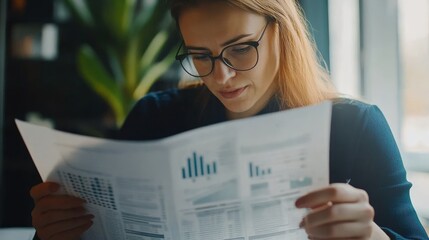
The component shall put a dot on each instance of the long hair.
(301, 78)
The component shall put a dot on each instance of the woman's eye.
(241, 49)
(200, 57)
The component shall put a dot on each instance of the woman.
(255, 57)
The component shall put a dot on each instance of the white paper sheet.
(234, 180)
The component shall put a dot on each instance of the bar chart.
(196, 166)
(256, 171)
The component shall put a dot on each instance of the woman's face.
(211, 27)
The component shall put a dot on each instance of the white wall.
(381, 68)
(344, 24)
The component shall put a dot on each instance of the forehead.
(212, 23)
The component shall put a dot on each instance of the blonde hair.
(301, 78)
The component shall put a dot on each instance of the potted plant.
(131, 52)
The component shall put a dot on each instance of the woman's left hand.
(338, 211)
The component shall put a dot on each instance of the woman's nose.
(222, 73)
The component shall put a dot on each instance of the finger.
(335, 193)
(339, 213)
(44, 219)
(348, 230)
(56, 228)
(53, 203)
(43, 189)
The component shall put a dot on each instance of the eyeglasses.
(240, 57)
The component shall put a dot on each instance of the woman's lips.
(230, 94)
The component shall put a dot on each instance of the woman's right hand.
(58, 217)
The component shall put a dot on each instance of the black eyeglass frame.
(255, 44)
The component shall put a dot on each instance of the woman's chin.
(239, 110)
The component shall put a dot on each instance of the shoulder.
(349, 131)
(360, 136)
(160, 114)
(350, 113)
(352, 117)
(346, 106)
(162, 100)
(362, 121)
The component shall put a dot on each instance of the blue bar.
(202, 165)
(208, 169)
(195, 164)
(214, 167)
(263, 172)
(269, 170)
(183, 173)
(251, 169)
(257, 171)
(189, 168)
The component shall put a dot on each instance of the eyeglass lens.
(240, 57)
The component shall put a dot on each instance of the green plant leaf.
(115, 65)
(158, 19)
(132, 39)
(80, 12)
(153, 50)
(113, 18)
(117, 16)
(100, 81)
(143, 15)
(152, 74)
(130, 64)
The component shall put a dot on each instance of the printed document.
(236, 180)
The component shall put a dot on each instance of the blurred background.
(79, 65)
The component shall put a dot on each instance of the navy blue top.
(362, 147)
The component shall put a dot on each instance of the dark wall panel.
(317, 15)
(2, 59)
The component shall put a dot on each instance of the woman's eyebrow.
(196, 48)
(233, 40)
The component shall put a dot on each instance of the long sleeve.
(389, 188)
(373, 161)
